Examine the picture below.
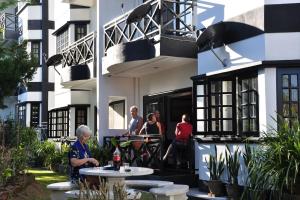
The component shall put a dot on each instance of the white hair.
(134, 107)
(81, 130)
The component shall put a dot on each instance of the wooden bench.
(146, 184)
(58, 190)
(171, 192)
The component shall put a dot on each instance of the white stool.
(58, 190)
(171, 192)
(146, 184)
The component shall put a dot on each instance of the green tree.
(16, 65)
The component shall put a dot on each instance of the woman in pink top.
(182, 134)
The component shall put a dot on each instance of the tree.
(16, 65)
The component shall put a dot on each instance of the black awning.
(54, 60)
(138, 13)
(223, 33)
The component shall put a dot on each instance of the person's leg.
(168, 151)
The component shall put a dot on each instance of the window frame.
(79, 35)
(33, 53)
(21, 114)
(236, 124)
(62, 40)
(53, 125)
(280, 101)
(35, 119)
(77, 123)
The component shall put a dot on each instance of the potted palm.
(216, 165)
(234, 190)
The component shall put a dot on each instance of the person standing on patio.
(135, 123)
(183, 132)
(80, 155)
(151, 126)
(158, 119)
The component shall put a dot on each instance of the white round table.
(115, 177)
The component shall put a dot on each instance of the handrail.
(166, 17)
(80, 51)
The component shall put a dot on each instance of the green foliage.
(276, 166)
(215, 165)
(233, 164)
(16, 67)
(102, 154)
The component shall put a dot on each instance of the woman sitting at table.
(80, 155)
(151, 126)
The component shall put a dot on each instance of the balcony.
(79, 63)
(9, 27)
(161, 39)
(88, 3)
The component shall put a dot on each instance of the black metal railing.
(81, 51)
(9, 26)
(143, 150)
(166, 17)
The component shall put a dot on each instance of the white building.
(230, 64)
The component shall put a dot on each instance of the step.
(196, 194)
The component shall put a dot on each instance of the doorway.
(171, 105)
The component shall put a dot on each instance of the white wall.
(8, 112)
(202, 152)
(267, 99)
(213, 11)
(243, 52)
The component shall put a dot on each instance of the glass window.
(80, 116)
(117, 115)
(62, 41)
(248, 106)
(227, 107)
(80, 31)
(289, 96)
(58, 123)
(35, 115)
(35, 50)
(21, 114)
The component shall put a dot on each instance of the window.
(35, 115)
(21, 114)
(80, 31)
(288, 102)
(35, 50)
(62, 41)
(58, 123)
(80, 116)
(248, 106)
(117, 115)
(215, 107)
(216, 111)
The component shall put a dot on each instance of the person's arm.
(142, 131)
(177, 131)
(75, 162)
(159, 128)
(139, 126)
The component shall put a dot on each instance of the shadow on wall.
(209, 13)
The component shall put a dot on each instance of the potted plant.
(216, 165)
(278, 163)
(234, 190)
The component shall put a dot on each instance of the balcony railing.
(9, 26)
(82, 51)
(166, 17)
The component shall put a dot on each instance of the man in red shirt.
(182, 134)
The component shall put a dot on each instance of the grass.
(46, 177)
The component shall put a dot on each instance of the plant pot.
(234, 191)
(216, 188)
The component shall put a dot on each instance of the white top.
(170, 190)
(98, 171)
(147, 183)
